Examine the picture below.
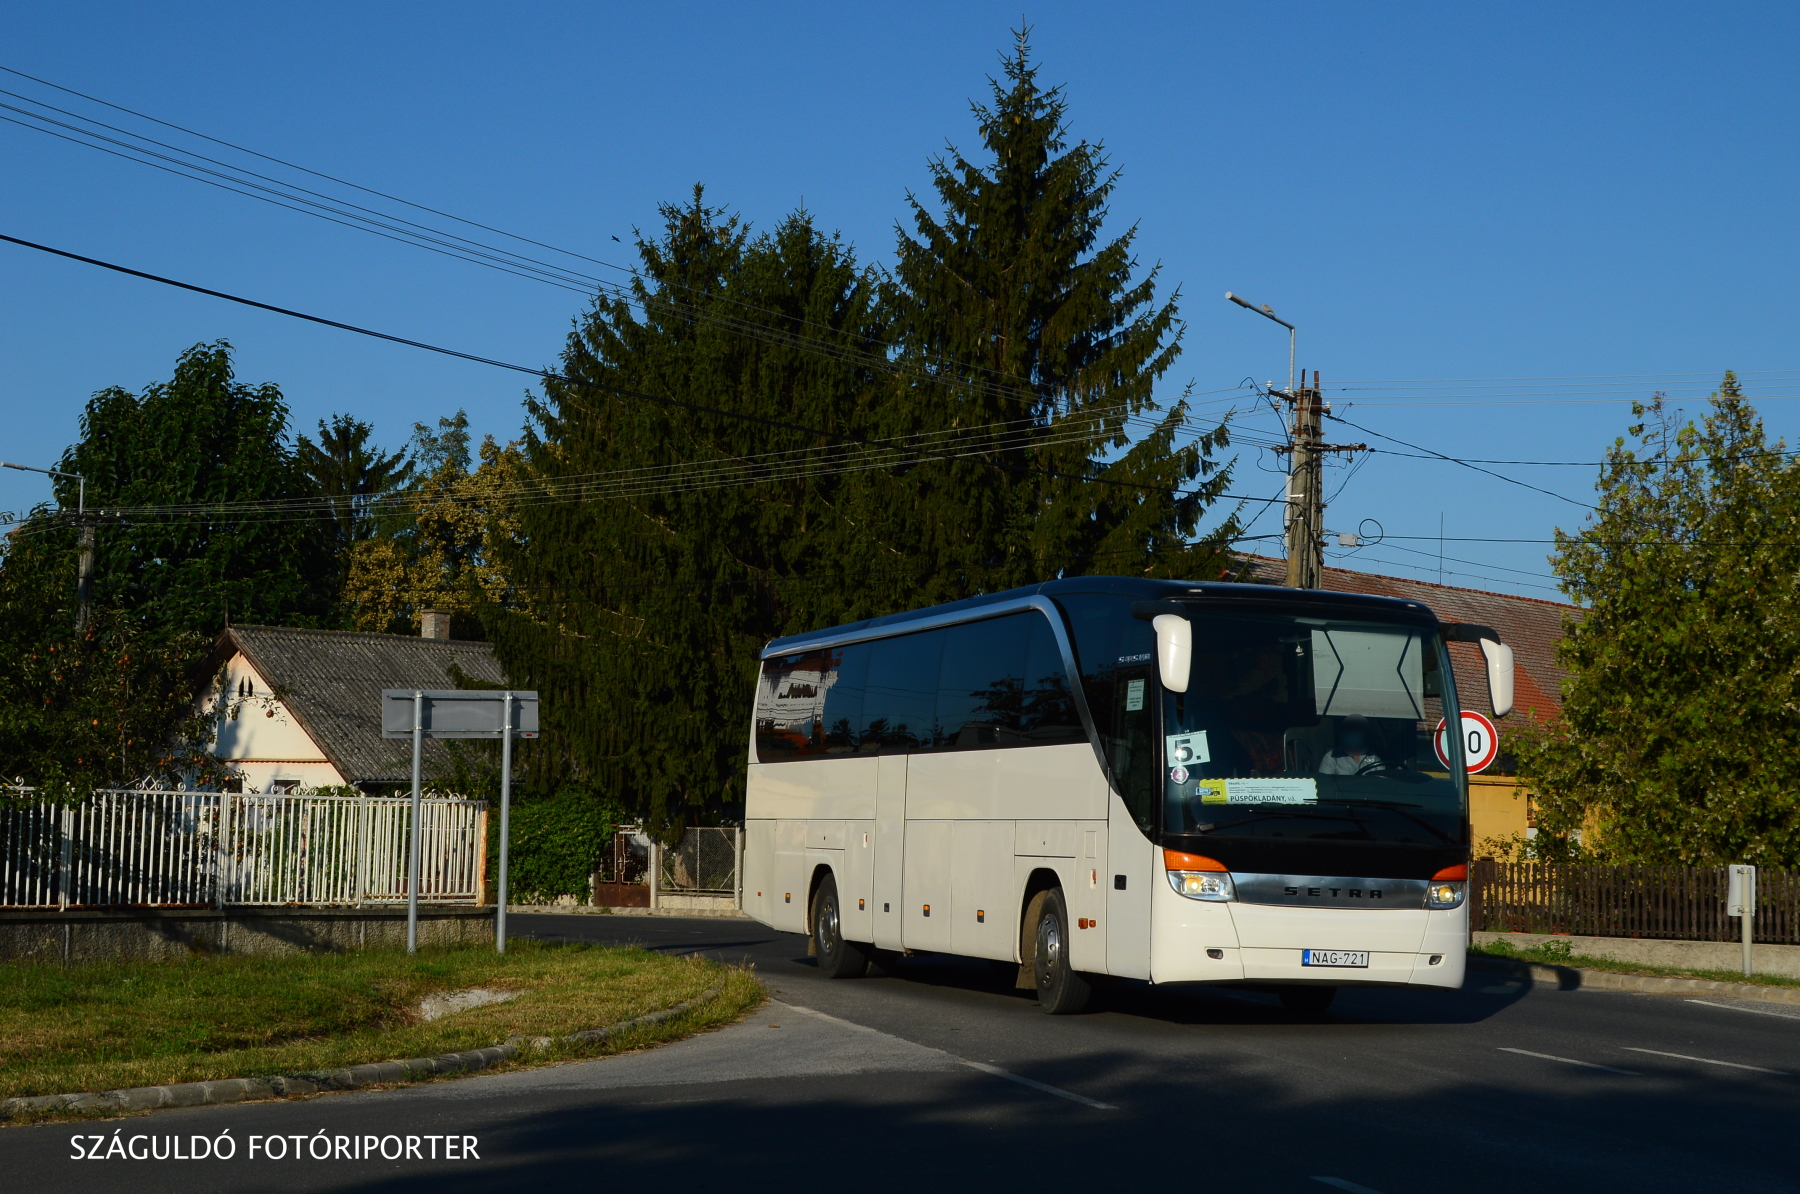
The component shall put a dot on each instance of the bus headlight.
(1444, 895)
(1203, 885)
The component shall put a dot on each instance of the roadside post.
(458, 713)
(1740, 901)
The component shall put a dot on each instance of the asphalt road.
(940, 1077)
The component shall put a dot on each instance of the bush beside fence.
(1594, 900)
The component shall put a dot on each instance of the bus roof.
(1129, 586)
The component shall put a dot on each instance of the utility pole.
(1304, 519)
(84, 576)
(1305, 525)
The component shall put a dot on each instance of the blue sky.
(1488, 192)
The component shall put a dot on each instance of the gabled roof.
(1531, 626)
(331, 682)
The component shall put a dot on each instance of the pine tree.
(639, 608)
(1020, 314)
(1679, 739)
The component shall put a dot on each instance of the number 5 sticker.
(1480, 742)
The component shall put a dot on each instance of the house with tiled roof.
(1531, 626)
(302, 708)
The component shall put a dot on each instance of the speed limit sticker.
(1480, 742)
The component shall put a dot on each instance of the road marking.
(1570, 1061)
(1732, 1007)
(1709, 1061)
(1341, 1184)
(983, 1066)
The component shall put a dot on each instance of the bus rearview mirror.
(1175, 651)
(1499, 658)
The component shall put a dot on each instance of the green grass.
(107, 1027)
(1558, 953)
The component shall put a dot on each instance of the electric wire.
(617, 390)
(480, 253)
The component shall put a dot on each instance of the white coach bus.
(1169, 781)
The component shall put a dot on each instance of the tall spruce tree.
(1679, 739)
(1020, 314)
(848, 479)
(639, 608)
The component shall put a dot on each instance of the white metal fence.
(187, 849)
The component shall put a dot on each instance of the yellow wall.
(1496, 808)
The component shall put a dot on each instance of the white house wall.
(263, 742)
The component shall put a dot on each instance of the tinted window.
(981, 688)
(900, 697)
(1116, 654)
(844, 701)
(1048, 715)
(790, 705)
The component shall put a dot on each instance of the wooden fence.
(1686, 903)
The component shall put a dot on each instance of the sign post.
(457, 713)
(1740, 901)
(412, 847)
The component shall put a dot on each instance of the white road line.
(1732, 1007)
(983, 1066)
(1341, 1184)
(1708, 1060)
(1570, 1061)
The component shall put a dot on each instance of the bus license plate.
(1334, 957)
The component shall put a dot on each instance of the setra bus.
(1170, 781)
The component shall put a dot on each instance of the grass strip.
(108, 1027)
(1563, 956)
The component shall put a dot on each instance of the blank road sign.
(458, 713)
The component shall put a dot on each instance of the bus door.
(1135, 760)
(890, 848)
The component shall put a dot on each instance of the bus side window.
(900, 696)
(1116, 653)
(844, 700)
(1048, 714)
(790, 701)
(980, 689)
(1133, 750)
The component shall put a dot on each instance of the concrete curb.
(1574, 978)
(239, 1090)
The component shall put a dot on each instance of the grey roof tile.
(331, 682)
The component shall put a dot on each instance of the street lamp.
(84, 584)
(1268, 312)
(81, 495)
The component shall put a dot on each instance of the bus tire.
(837, 958)
(1309, 1002)
(1061, 989)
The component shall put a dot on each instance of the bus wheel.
(1310, 1002)
(1062, 991)
(837, 958)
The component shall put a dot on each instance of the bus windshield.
(1311, 728)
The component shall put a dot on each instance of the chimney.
(434, 623)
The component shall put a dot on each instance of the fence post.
(221, 847)
(65, 831)
(655, 870)
(737, 870)
(362, 846)
(1480, 875)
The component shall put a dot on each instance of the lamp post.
(1268, 312)
(84, 584)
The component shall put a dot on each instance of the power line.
(617, 390)
(1453, 460)
(881, 356)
